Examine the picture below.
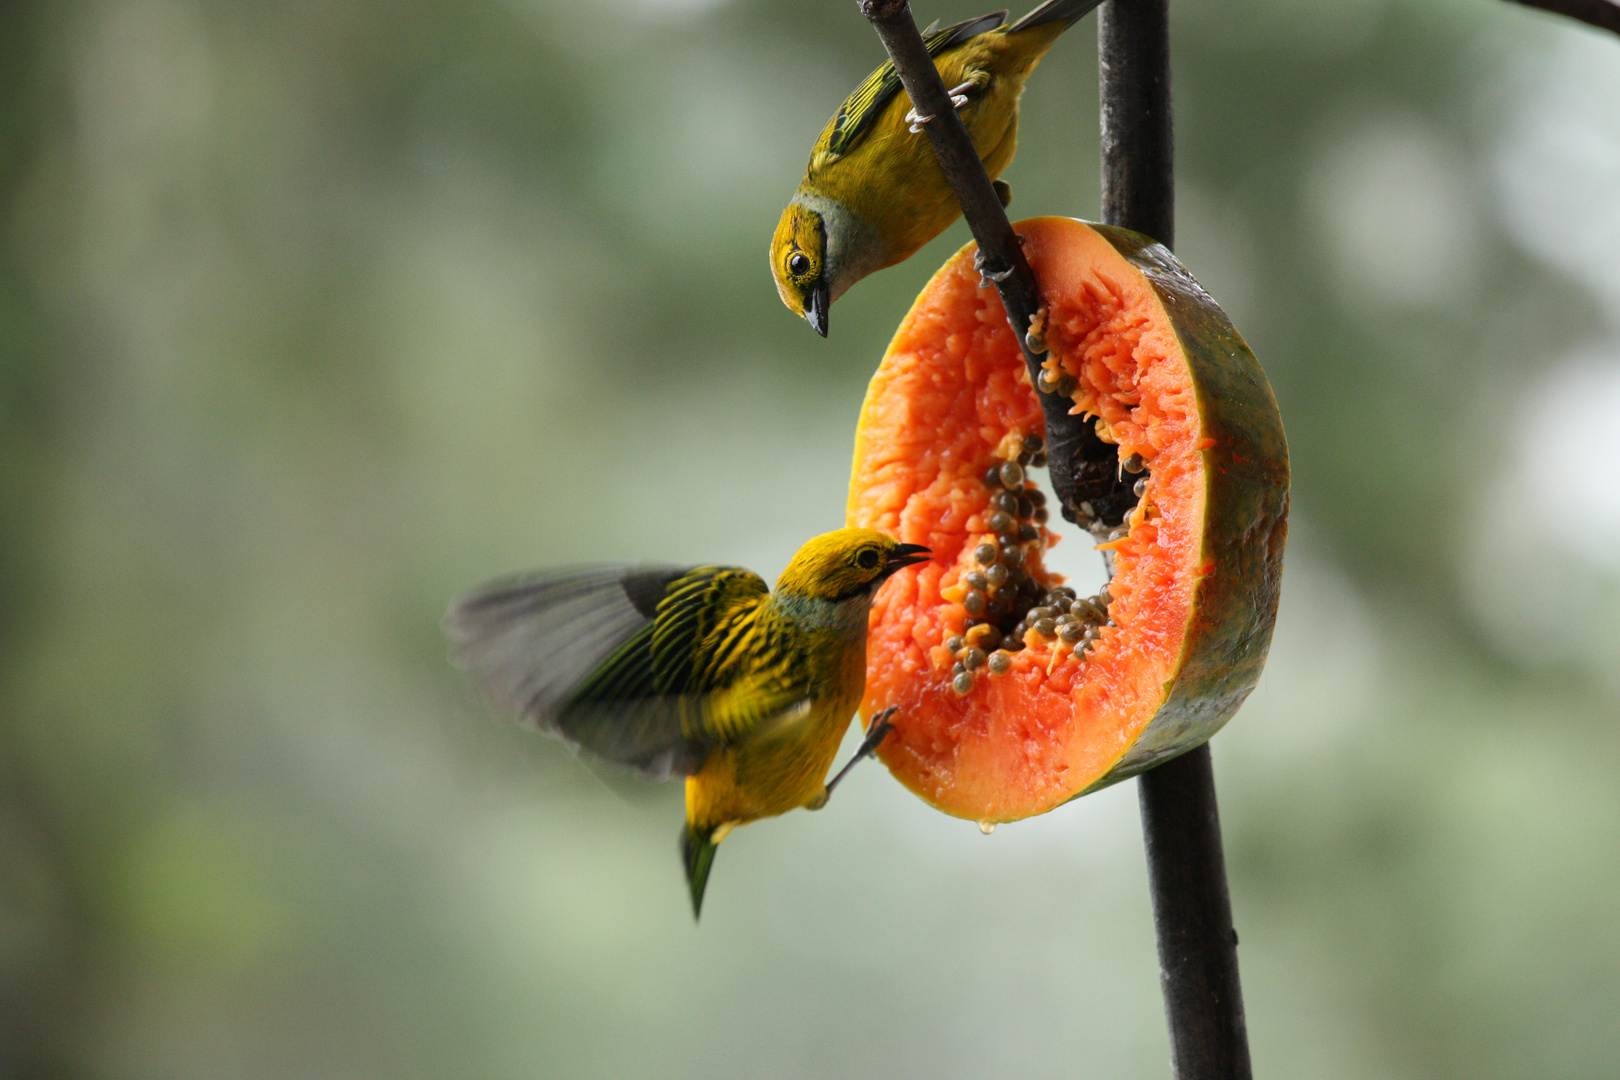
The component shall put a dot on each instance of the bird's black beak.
(906, 555)
(815, 308)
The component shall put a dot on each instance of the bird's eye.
(868, 559)
(799, 264)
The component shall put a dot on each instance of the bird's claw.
(879, 730)
(875, 734)
(959, 98)
(989, 277)
(916, 120)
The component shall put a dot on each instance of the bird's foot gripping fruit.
(1017, 693)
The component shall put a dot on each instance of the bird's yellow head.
(798, 261)
(846, 564)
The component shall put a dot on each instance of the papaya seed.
(1046, 628)
(962, 684)
(985, 554)
(973, 659)
(1012, 474)
(1139, 488)
(975, 579)
(1000, 662)
(999, 522)
(974, 603)
(1034, 444)
(1135, 464)
(996, 574)
(953, 645)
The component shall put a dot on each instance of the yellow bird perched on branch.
(873, 192)
(700, 672)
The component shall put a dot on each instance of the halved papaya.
(1015, 695)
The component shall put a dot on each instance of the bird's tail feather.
(697, 852)
(1067, 12)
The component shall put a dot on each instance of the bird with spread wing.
(700, 672)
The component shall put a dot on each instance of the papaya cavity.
(1014, 693)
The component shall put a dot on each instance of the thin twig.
(1071, 440)
(1599, 13)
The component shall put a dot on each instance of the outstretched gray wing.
(531, 642)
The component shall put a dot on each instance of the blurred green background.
(313, 313)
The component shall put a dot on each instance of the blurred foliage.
(312, 314)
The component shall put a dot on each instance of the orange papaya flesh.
(1196, 562)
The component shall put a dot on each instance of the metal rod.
(1192, 914)
(1138, 151)
(1181, 827)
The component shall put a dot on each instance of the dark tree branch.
(1071, 440)
(1599, 13)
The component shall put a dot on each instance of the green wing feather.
(758, 672)
(707, 669)
(861, 108)
(644, 666)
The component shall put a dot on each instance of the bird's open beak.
(906, 555)
(815, 308)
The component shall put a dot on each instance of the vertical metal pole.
(1192, 911)
(1138, 150)
(1192, 914)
